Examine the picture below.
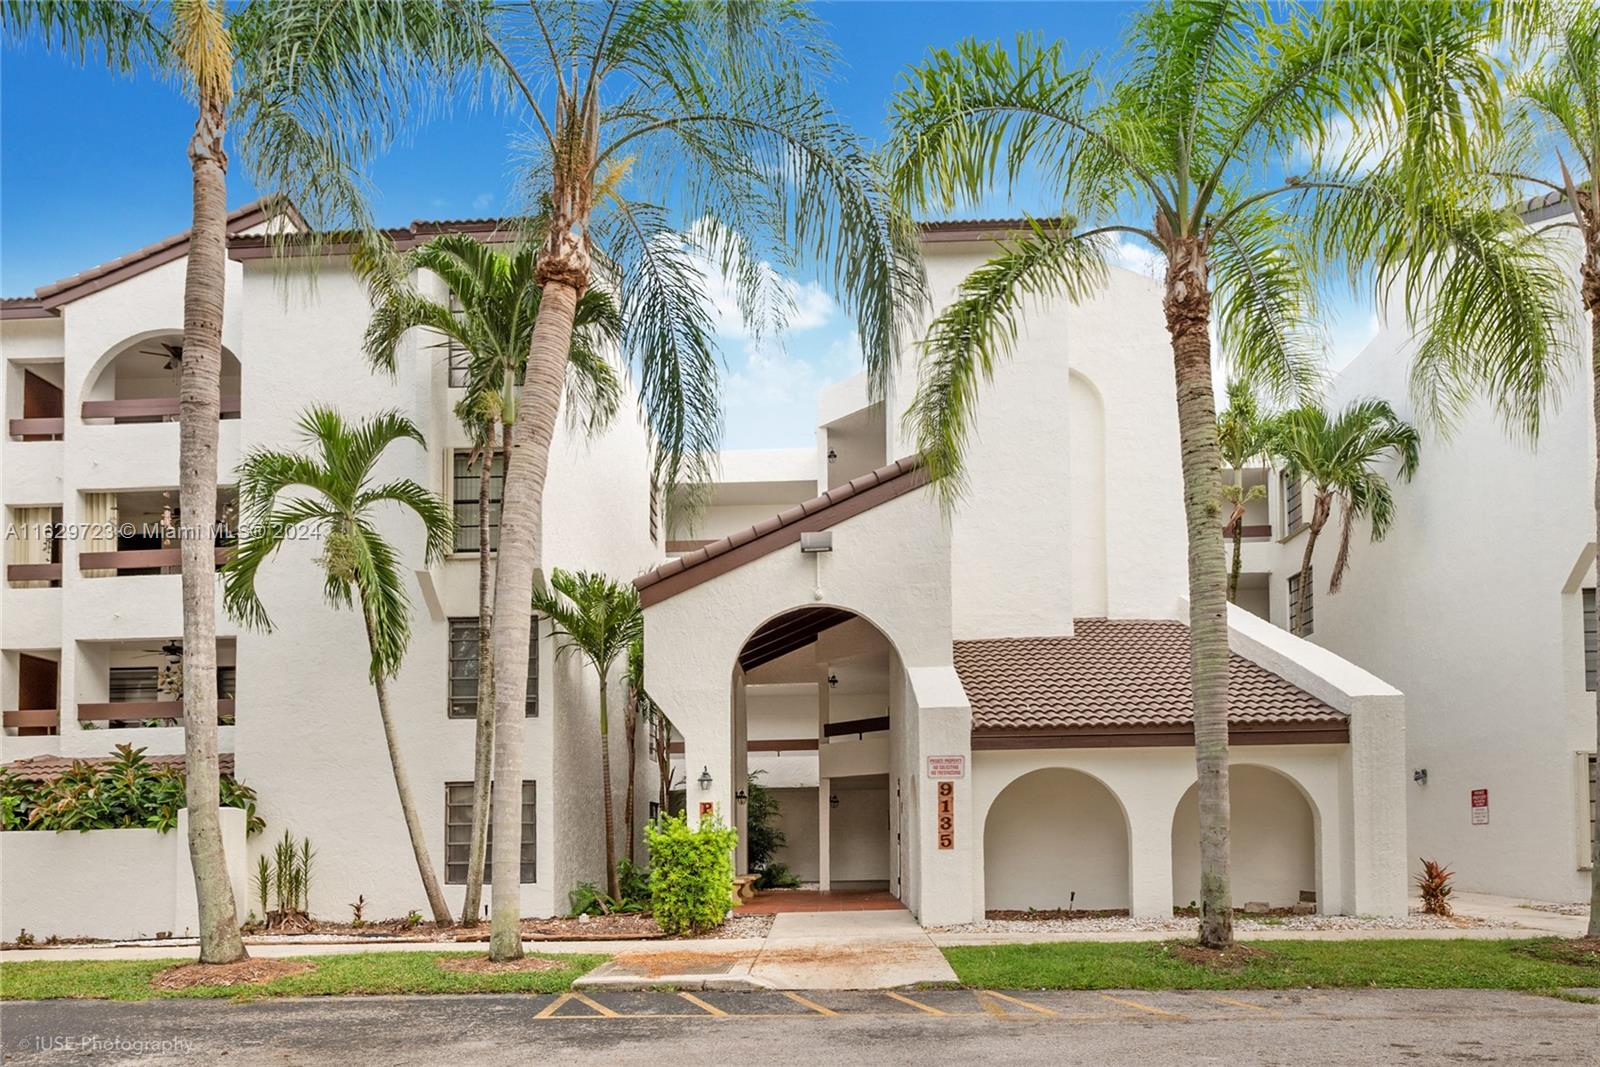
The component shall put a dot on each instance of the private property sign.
(1480, 807)
(947, 766)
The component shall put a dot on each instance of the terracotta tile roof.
(24, 307)
(940, 231)
(768, 535)
(49, 768)
(1114, 674)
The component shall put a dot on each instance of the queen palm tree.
(1244, 436)
(1337, 457)
(310, 91)
(330, 491)
(668, 139)
(493, 304)
(599, 619)
(1180, 154)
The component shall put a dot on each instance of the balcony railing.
(33, 719)
(134, 559)
(137, 711)
(148, 408)
(38, 429)
(33, 572)
(1256, 532)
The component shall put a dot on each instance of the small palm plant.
(331, 491)
(495, 300)
(1338, 457)
(1244, 436)
(599, 619)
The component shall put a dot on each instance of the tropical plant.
(284, 875)
(1174, 155)
(330, 492)
(1244, 436)
(493, 304)
(310, 91)
(691, 873)
(762, 835)
(1337, 458)
(1434, 885)
(640, 714)
(599, 619)
(669, 139)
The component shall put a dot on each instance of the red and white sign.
(947, 766)
(1480, 807)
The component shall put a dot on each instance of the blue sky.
(93, 166)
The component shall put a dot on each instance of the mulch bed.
(1058, 913)
(1582, 951)
(245, 972)
(484, 965)
(1233, 958)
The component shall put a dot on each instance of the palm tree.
(330, 491)
(1215, 95)
(641, 712)
(599, 619)
(1337, 456)
(311, 90)
(498, 301)
(669, 139)
(1244, 436)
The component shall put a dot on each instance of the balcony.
(140, 384)
(146, 525)
(146, 409)
(131, 684)
(134, 561)
(115, 713)
(38, 429)
(39, 386)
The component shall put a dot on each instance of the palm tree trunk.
(1319, 518)
(483, 732)
(402, 786)
(663, 735)
(631, 716)
(199, 407)
(1188, 308)
(605, 785)
(1238, 562)
(521, 541)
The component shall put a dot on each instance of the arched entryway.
(138, 382)
(1056, 838)
(1273, 840)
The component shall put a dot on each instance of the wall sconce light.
(705, 779)
(741, 796)
(833, 680)
(833, 800)
(833, 457)
(1420, 776)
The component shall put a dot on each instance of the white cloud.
(482, 201)
(1136, 255)
(1345, 148)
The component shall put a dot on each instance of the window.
(134, 685)
(464, 492)
(464, 668)
(1594, 810)
(1289, 484)
(458, 833)
(1301, 618)
(457, 359)
(227, 680)
(1591, 640)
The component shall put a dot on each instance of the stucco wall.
(1272, 841)
(1052, 837)
(797, 818)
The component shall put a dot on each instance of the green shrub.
(777, 876)
(124, 792)
(691, 873)
(634, 882)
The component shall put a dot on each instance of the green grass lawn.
(1411, 964)
(354, 973)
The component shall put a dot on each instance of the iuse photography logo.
(104, 1044)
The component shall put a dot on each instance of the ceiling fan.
(172, 352)
(173, 650)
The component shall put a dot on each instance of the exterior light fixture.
(705, 779)
(833, 457)
(833, 680)
(741, 796)
(812, 541)
(833, 800)
(1420, 776)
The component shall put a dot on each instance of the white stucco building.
(977, 710)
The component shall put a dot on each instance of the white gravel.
(1580, 910)
(1241, 923)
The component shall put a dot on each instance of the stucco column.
(710, 751)
(1378, 799)
(741, 771)
(1149, 850)
(824, 834)
(941, 725)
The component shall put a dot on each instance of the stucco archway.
(146, 367)
(1054, 838)
(1273, 840)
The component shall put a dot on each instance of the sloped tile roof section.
(1126, 679)
(767, 536)
(49, 768)
(151, 256)
(25, 307)
(258, 246)
(955, 231)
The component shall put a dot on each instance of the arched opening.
(139, 382)
(1273, 841)
(1055, 838)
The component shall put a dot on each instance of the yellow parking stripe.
(1220, 999)
(554, 1006)
(709, 1009)
(1141, 1007)
(813, 1005)
(601, 1008)
(991, 1007)
(1022, 1003)
(930, 1009)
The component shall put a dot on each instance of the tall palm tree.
(668, 139)
(640, 714)
(599, 619)
(310, 90)
(494, 301)
(1178, 155)
(1244, 436)
(330, 490)
(1337, 456)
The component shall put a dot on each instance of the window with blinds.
(1301, 613)
(458, 834)
(464, 496)
(464, 669)
(457, 359)
(1289, 485)
(1591, 640)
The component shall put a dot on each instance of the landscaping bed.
(1085, 922)
(356, 973)
(1542, 965)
